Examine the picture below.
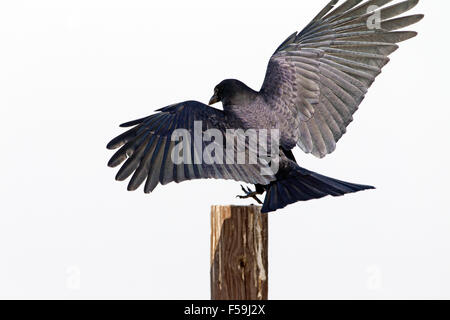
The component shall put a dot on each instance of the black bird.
(314, 83)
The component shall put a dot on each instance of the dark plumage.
(314, 83)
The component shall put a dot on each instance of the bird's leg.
(250, 194)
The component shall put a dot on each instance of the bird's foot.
(249, 194)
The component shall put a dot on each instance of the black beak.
(214, 99)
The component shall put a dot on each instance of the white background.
(72, 71)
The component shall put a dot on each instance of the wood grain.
(239, 262)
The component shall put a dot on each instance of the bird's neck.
(243, 97)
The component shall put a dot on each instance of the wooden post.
(239, 262)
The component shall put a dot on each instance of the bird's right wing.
(318, 77)
(148, 147)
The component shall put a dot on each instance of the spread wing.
(148, 148)
(317, 78)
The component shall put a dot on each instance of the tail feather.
(305, 185)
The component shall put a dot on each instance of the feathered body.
(315, 82)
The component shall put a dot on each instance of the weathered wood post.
(239, 261)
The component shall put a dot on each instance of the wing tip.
(111, 145)
(409, 35)
(131, 187)
(111, 164)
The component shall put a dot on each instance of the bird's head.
(231, 92)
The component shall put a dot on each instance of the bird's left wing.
(148, 148)
(318, 77)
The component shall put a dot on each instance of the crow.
(314, 83)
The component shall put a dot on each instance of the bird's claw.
(249, 194)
